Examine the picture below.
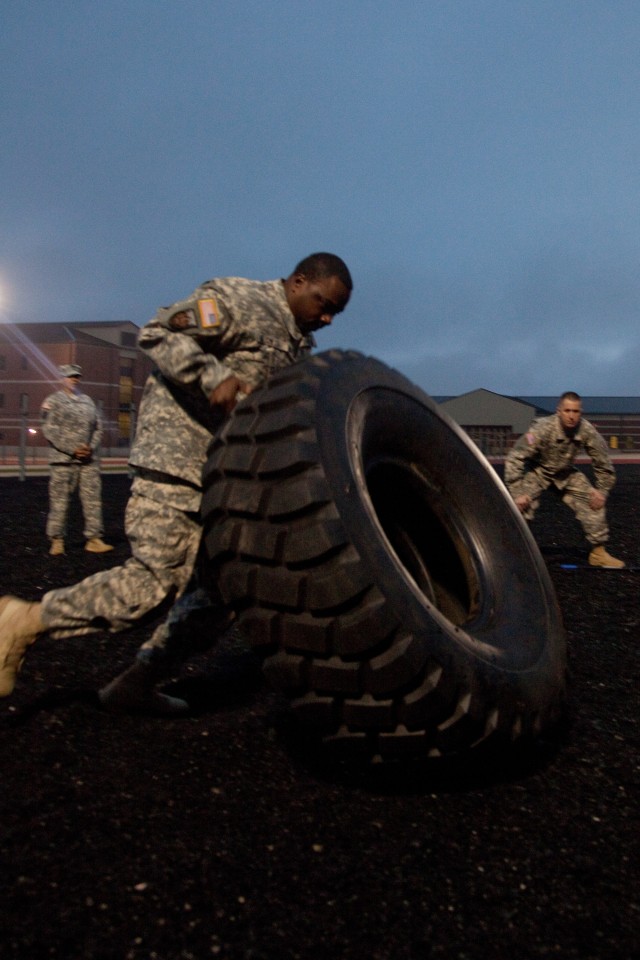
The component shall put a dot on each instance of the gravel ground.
(213, 836)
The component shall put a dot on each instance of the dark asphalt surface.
(214, 836)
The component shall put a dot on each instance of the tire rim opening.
(422, 539)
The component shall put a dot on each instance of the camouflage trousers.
(575, 491)
(64, 480)
(193, 625)
(164, 546)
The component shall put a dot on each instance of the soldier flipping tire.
(377, 562)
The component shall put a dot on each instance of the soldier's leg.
(533, 487)
(576, 494)
(90, 490)
(91, 499)
(61, 484)
(164, 544)
(193, 625)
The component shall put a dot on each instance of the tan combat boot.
(20, 625)
(600, 558)
(96, 545)
(134, 691)
(57, 547)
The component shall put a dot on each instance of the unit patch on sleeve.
(209, 313)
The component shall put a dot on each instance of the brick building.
(114, 373)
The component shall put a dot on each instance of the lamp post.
(24, 409)
(132, 424)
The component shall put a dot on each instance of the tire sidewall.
(527, 644)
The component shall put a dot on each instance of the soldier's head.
(569, 410)
(70, 373)
(317, 290)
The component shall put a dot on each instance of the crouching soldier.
(544, 457)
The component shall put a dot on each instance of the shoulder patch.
(530, 439)
(208, 312)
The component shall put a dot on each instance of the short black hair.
(570, 395)
(319, 266)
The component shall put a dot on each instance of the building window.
(24, 363)
(493, 441)
(24, 403)
(125, 391)
(128, 339)
(3, 362)
(124, 427)
(1, 399)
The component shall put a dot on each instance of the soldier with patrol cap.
(73, 429)
(228, 337)
(544, 457)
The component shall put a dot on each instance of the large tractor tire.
(377, 562)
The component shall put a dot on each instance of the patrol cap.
(70, 370)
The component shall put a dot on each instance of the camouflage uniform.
(545, 455)
(227, 327)
(68, 422)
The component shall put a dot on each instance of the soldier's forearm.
(513, 471)
(181, 359)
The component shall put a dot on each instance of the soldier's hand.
(226, 393)
(523, 502)
(83, 452)
(597, 499)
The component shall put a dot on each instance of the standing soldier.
(544, 456)
(226, 339)
(73, 429)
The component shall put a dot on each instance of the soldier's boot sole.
(96, 545)
(600, 558)
(20, 625)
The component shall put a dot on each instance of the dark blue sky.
(475, 162)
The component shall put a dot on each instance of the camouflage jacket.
(229, 326)
(68, 421)
(547, 450)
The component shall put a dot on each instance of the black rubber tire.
(376, 560)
